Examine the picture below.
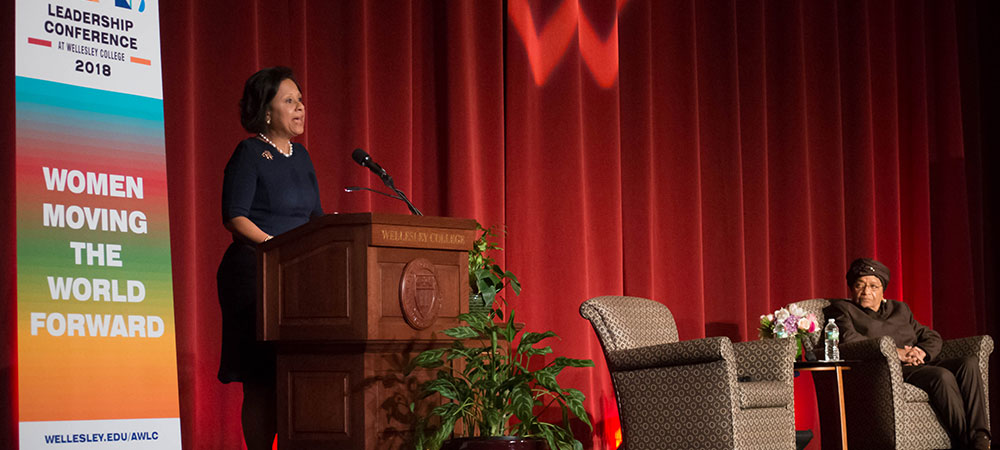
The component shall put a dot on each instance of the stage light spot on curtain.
(547, 49)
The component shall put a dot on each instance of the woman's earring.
(268, 120)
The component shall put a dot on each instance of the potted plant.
(485, 381)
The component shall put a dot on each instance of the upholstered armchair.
(699, 394)
(883, 411)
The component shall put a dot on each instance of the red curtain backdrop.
(722, 157)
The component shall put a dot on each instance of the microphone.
(365, 160)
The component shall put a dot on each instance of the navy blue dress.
(277, 195)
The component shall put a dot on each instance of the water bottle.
(832, 333)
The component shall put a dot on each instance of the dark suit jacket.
(893, 318)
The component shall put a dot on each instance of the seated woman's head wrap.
(866, 266)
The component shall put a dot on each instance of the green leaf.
(515, 285)
(445, 387)
(565, 440)
(442, 433)
(550, 438)
(574, 395)
(496, 269)
(532, 338)
(427, 359)
(538, 351)
(547, 378)
(510, 329)
(488, 291)
(465, 392)
(479, 272)
(574, 402)
(512, 382)
(419, 435)
(477, 320)
(489, 277)
(473, 367)
(506, 330)
(493, 423)
(445, 410)
(484, 384)
(462, 332)
(571, 362)
(522, 403)
(464, 353)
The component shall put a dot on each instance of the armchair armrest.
(681, 353)
(981, 346)
(765, 359)
(870, 349)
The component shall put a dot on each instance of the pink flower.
(806, 324)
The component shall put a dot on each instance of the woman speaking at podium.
(269, 188)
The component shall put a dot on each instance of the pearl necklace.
(290, 148)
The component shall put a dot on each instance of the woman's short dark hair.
(258, 92)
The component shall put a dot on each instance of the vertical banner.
(97, 365)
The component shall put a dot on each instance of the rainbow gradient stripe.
(80, 378)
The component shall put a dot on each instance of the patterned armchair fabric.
(883, 411)
(685, 394)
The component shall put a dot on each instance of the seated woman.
(954, 386)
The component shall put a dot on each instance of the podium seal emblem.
(419, 293)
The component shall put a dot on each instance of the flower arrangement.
(791, 321)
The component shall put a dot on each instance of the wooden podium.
(349, 299)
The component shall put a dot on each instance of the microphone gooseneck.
(359, 188)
